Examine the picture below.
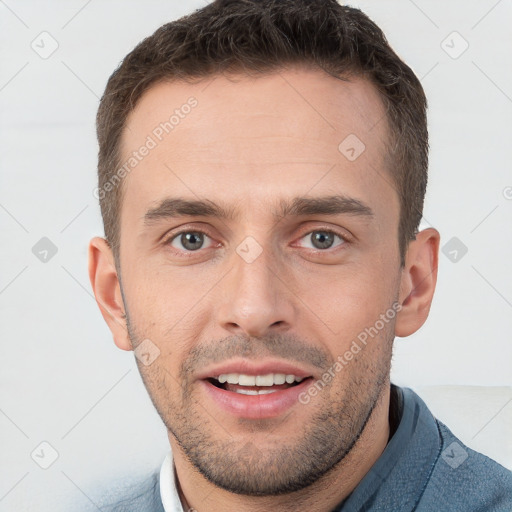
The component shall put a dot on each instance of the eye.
(321, 239)
(188, 240)
(193, 240)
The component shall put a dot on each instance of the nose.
(255, 298)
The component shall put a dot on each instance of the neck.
(201, 495)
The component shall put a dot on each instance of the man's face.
(269, 289)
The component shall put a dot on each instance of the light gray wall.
(63, 381)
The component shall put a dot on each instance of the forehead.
(251, 140)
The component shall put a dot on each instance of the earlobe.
(418, 282)
(107, 291)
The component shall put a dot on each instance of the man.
(262, 169)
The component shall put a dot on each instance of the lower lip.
(256, 406)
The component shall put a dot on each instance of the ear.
(107, 290)
(418, 282)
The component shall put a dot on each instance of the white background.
(63, 380)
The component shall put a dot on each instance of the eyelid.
(168, 238)
(345, 235)
(342, 245)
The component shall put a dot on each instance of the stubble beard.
(241, 467)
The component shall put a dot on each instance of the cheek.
(349, 299)
(163, 296)
(163, 310)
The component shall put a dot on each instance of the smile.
(255, 384)
(254, 391)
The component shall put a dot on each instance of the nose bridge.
(254, 298)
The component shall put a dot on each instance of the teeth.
(232, 378)
(258, 380)
(279, 378)
(247, 380)
(247, 391)
(265, 380)
(255, 391)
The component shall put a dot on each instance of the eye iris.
(322, 239)
(192, 241)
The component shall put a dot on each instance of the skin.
(249, 144)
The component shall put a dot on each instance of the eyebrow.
(170, 208)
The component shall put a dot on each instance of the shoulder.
(139, 496)
(467, 480)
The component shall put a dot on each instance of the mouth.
(255, 384)
(253, 394)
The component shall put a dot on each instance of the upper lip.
(249, 367)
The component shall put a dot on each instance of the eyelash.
(168, 240)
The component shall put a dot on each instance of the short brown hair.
(262, 36)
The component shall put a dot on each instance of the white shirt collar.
(168, 488)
